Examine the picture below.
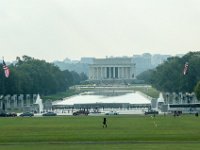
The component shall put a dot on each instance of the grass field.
(86, 132)
(60, 95)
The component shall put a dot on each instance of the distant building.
(158, 59)
(67, 60)
(142, 62)
(147, 61)
(112, 69)
(87, 60)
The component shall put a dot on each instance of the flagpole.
(3, 82)
(3, 91)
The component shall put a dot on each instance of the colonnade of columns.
(110, 72)
(16, 102)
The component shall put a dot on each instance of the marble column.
(122, 71)
(126, 72)
(1, 104)
(8, 103)
(119, 72)
(15, 102)
(107, 72)
(114, 76)
(28, 102)
(104, 72)
(99, 73)
(93, 73)
(22, 102)
(110, 74)
(116, 72)
(96, 73)
(129, 72)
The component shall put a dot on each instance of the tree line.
(169, 77)
(30, 75)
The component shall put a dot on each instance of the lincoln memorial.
(112, 69)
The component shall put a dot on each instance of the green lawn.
(60, 95)
(150, 91)
(86, 132)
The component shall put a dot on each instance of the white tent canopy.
(131, 98)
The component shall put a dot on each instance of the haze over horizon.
(59, 29)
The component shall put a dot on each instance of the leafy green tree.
(169, 76)
(83, 76)
(68, 78)
(31, 75)
(76, 77)
(2, 88)
(146, 76)
(197, 90)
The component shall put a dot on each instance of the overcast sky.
(56, 29)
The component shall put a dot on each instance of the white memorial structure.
(121, 68)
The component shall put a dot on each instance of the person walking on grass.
(104, 122)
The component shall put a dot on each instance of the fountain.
(39, 103)
(160, 101)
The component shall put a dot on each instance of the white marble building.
(112, 68)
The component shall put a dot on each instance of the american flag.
(185, 70)
(6, 69)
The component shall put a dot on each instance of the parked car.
(11, 114)
(81, 112)
(111, 113)
(49, 114)
(3, 114)
(151, 112)
(27, 114)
